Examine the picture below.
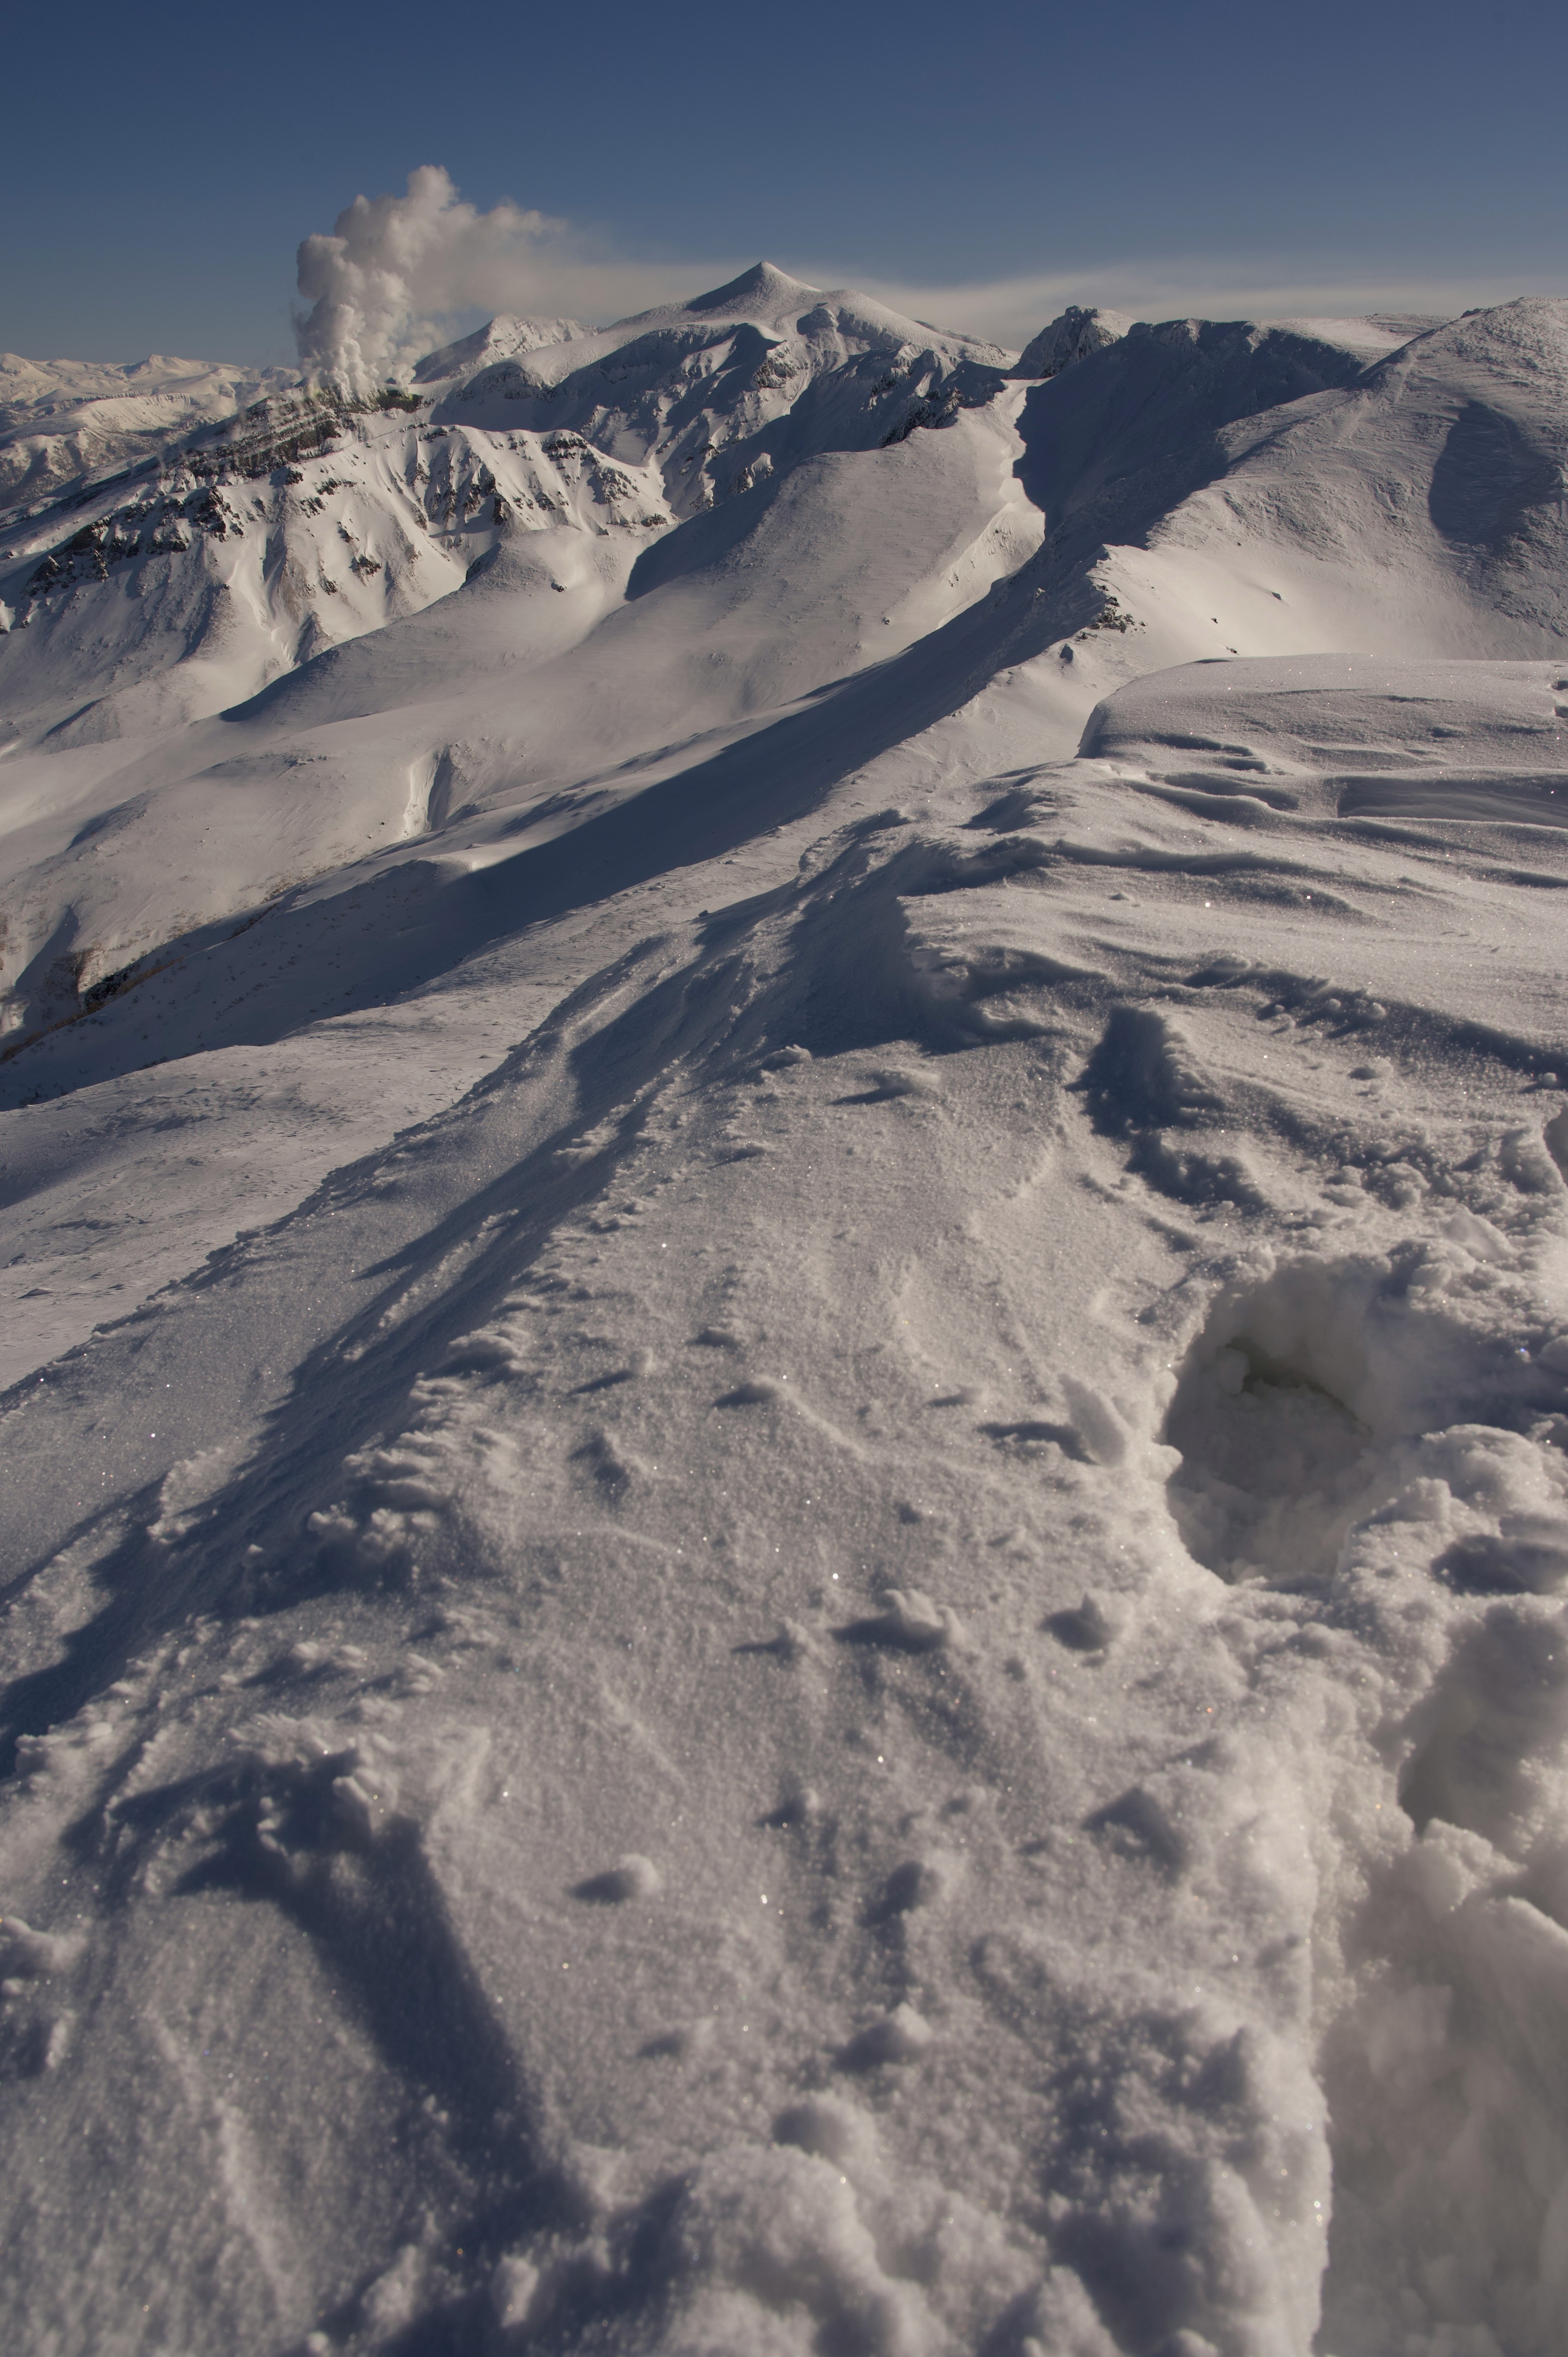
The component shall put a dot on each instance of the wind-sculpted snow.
(788, 1470)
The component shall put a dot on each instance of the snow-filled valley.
(784, 1133)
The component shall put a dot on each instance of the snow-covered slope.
(65, 422)
(787, 1292)
(321, 521)
(1244, 491)
(739, 384)
(190, 588)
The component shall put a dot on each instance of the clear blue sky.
(159, 166)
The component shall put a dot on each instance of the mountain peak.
(1073, 335)
(763, 286)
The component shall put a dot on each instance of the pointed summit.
(761, 290)
(1073, 335)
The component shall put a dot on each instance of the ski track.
(786, 1526)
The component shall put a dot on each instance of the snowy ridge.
(835, 1620)
(63, 421)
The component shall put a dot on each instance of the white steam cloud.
(396, 271)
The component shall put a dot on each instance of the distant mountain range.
(561, 561)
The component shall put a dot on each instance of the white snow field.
(785, 1283)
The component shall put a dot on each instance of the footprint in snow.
(918, 1882)
(801, 1808)
(26, 1954)
(611, 1465)
(832, 2130)
(888, 1082)
(677, 2045)
(1035, 1431)
(793, 1643)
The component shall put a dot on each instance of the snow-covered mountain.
(784, 1141)
(63, 423)
(307, 518)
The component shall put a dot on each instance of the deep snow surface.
(787, 1289)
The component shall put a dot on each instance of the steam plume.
(397, 270)
(394, 267)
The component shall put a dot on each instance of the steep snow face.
(1246, 490)
(1116, 441)
(1449, 464)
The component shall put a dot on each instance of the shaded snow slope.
(1071, 336)
(787, 1480)
(1254, 491)
(569, 671)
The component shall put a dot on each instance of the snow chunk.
(630, 1878)
(901, 2036)
(908, 1620)
(26, 1954)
